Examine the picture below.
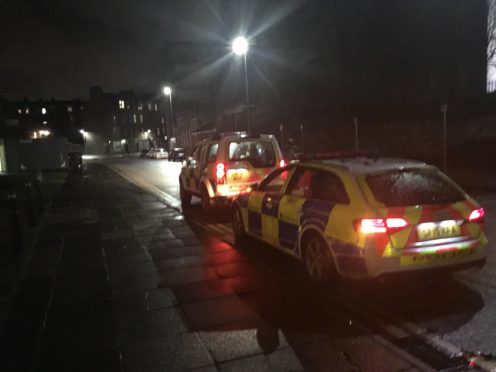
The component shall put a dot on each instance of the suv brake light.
(477, 215)
(220, 172)
(380, 225)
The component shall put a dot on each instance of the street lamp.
(168, 92)
(240, 47)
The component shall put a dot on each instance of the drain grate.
(431, 356)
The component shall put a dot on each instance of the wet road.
(460, 311)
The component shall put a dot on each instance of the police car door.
(267, 203)
(291, 206)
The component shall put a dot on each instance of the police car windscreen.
(260, 154)
(413, 187)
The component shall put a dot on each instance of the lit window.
(19, 111)
(81, 108)
(114, 118)
(141, 118)
(150, 108)
(45, 122)
(140, 106)
(69, 108)
(122, 104)
(156, 107)
(43, 111)
(163, 120)
(27, 110)
(134, 118)
(71, 119)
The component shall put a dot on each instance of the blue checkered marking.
(314, 212)
(243, 201)
(255, 222)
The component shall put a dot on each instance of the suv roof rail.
(241, 134)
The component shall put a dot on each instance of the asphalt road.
(461, 311)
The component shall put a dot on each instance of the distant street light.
(168, 92)
(240, 47)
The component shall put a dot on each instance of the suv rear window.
(413, 187)
(259, 153)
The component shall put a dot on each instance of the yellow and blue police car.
(364, 217)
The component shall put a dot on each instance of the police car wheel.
(184, 195)
(238, 228)
(318, 260)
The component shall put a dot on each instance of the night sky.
(59, 48)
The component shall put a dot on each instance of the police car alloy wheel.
(238, 228)
(318, 260)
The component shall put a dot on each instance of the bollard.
(16, 243)
(30, 204)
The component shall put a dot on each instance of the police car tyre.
(184, 195)
(238, 228)
(317, 257)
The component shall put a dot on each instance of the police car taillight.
(477, 215)
(379, 225)
(220, 173)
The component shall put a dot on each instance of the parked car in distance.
(157, 153)
(177, 154)
(227, 165)
(363, 217)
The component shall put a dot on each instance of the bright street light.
(168, 92)
(240, 48)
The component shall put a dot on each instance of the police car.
(226, 166)
(363, 217)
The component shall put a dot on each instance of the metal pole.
(355, 121)
(247, 96)
(172, 115)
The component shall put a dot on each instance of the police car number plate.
(438, 230)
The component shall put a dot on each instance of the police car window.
(413, 187)
(328, 187)
(301, 183)
(212, 152)
(260, 154)
(275, 181)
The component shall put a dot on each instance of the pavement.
(119, 281)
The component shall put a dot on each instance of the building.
(126, 122)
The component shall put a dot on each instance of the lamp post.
(240, 48)
(168, 92)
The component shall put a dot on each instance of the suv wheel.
(318, 260)
(206, 203)
(184, 195)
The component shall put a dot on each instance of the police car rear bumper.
(470, 255)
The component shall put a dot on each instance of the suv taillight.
(282, 163)
(379, 225)
(220, 173)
